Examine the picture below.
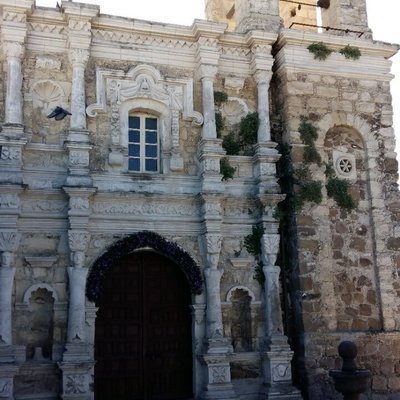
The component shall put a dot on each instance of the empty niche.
(241, 333)
(40, 336)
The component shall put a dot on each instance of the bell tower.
(258, 15)
(346, 14)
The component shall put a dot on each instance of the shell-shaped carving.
(46, 94)
(234, 110)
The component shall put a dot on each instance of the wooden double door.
(143, 341)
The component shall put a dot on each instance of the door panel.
(143, 344)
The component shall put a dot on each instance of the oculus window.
(143, 144)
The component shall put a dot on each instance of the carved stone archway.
(143, 240)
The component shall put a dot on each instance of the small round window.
(344, 166)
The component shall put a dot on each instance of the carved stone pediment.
(143, 88)
(143, 81)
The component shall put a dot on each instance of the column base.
(8, 369)
(278, 370)
(219, 384)
(77, 380)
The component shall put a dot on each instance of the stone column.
(263, 79)
(7, 272)
(77, 282)
(270, 248)
(78, 59)
(207, 73)
(76, 310)
(14, 52)
(9, 241)
(219, 384)
(277, 359)
(210, 148)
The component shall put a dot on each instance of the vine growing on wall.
(338, 189)
(252, 244)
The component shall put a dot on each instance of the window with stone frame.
(143, 143)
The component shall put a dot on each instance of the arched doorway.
(143, 343)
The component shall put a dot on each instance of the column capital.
(213, 244)
(262, 77)
(270, 248)
(207, 71)
(9, 241)
(13, 50)
(78, 240)
(78, 57)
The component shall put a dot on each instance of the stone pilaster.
(7, 273)
(9, 242)
(14, 52)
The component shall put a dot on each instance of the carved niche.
(143, 88)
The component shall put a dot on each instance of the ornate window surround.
(143, 89)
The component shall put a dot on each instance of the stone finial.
(348, 352)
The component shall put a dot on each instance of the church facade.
(209, 211)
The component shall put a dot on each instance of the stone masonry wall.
(345, 258)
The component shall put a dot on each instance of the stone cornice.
(18, 5)
(291, 37)
(201, 28)
(293, 55)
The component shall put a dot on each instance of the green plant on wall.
(219, 123)
(252, 244)
(248, 129)
(338, 189)
(351, 52)
(308, 189)
(308, 135)
(219, 98)
(320, 50)
(231, 145)
(226, 169)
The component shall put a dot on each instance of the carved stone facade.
(138, 165)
